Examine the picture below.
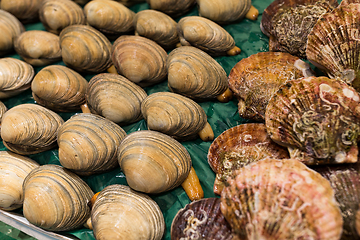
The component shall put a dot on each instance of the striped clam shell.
(174, 8)
(25, 11)
(11, 28)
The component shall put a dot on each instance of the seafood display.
(11, 28)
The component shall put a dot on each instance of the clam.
(59, 88)
(288, 23)
(207, 35)
(29, 128)
(85, 49)
(88, 143)
(11, 28)
(256, 78)
(176, 116)
(13, 170)
(3, 109)
(139, 59)
(24, 10)
(55, 15)
(16, 76)
(239, 146)
(121, 213)
(115, 98)
(156, 26)
(153, 162)
(195, 74)
(317, 118)
(38, 48)
(173, 8)
(56, 199)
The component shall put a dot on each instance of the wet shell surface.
(239, 146)
(29, 128)
(88, 143)
(139, 59)
(55, 15)
(13, 170)
(256, 78)
(121, 213)
(10, 28)
(174, 8)
(153, 162)
(16, 76)
(195, 74)
(38, 48)
(115, 98)
(288, 23)
(24, 10)
(59, 88)
(317, 118)
(85, 49)
(281, 199)
(56, 199)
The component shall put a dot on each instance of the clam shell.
(115, 98)
(56, 199)
(29, 128)
(239, 146)
(317, 116)
(281, 199)
(139, 59)
(11, 28)
(85, 49)
(24, 10)
(3, 109)
(256, 78)
(195, 74)
(59, 88)
(173, 8)
(174, 115)
(153, 162)
(13, 170)
(16, 76)
(117, 208)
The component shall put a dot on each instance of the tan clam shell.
(56, 199)
(13, 170)
(59, 88)
(10, 28)
(153, 162)
(118, 207)
(25, 11)
(29, 128)
(16, 77)
(173, 8)
(3, 109)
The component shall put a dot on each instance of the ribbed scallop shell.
(16, 76)
(317, 118)
(153, 162)
(10, 28)
(24, 10)
(56, 199)
(173, 8)
(121, 213)
(85, 49)
(256, 78)
(281, 199)
(139, 59)
(13, 170)
(174, 115)
(195, 74)
(88, 143)
(55, 15)
(156, 26)
(30, 128)
(239, 146)
(115, 98)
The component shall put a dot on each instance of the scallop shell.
(55, 15)
(288, 23)
(13, 170)
(117, 207)
(29, 128)
(24, 10)
(173, 8)
(256, 78)
(207, 35)
(153, 162)
(239, 146)
(195, 74)
(10, 28)
(85, 49)
(16, 76)
(281, 199)
(317, 118)
(38, 48)
(115, 98)
(56, 199)
(88, 143)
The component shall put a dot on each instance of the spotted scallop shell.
(11, 28)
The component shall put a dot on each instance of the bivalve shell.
(174, 8)
(11, 28)
(24, 10)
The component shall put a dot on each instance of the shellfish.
(3, 109)
(173, 8)
(24, 10)
(11, 28)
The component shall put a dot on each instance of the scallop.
(24, 10)
(173, 8)
(11, 28)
